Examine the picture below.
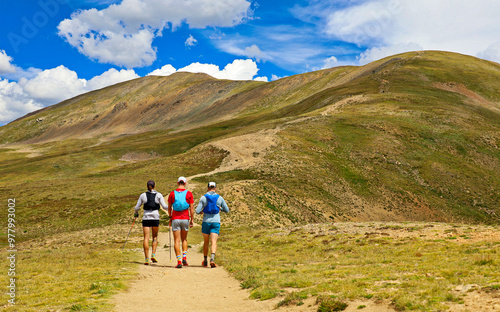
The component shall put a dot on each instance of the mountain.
(414, 136)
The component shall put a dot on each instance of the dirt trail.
(162, 287)
(245, 151)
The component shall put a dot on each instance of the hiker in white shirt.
(151, 218)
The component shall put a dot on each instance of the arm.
(163, 204)
(170, 202)
(223, 205)
(138, 206)
(201, 204)
(191, 215)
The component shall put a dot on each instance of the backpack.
(211, 207)
(180, 202)
(151, 203)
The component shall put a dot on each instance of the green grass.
(70, 278)
(414, 272)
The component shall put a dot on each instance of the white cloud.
(5, 63)
(110, 77)
(470, 27)
(330, 62)
(262, 78)
(122, 34)
(53, 85)
(190, 41)
(234, 46)
(166, 70)
(14, 102)
(50, 86)
(492, 53)
(237, 70)
(374, 54)
(274, 77)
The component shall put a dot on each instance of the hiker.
(210, 205)
(151, 218)
(180, 207)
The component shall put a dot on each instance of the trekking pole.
(129, 233)
(170, 242)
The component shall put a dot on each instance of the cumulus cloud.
(14, 102)
(237, 70)
(122, 34)
(6, 66)
(51, 86)
(330, 62)
(190, 41)
(166, 70)
(262, 78)
(110, 77)
(469, 28)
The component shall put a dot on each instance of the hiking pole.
(129, 233)
(170, 241)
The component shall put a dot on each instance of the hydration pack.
(180, 202)
(151, 204)
(211, 207)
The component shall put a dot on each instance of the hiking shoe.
(146, 262)
(204, 264)
(184, 262)
(179, 266)
(153, 259)
(212, 264)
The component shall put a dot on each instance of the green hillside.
(412, 137)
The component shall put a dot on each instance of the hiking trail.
(162, 287)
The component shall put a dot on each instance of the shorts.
(208, 227)
(180, 224)
(150, 223)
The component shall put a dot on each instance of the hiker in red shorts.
(180, 207)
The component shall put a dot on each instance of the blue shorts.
(207, 228)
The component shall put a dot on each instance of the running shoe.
(179, 266)
(146, 262)
(204, 264)
(184, 262)
(212, 264)
(153, 259)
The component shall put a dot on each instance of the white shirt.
(151, 214)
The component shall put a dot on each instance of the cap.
(151, 182)
(212, 184)
(183, 179)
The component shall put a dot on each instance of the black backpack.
(151, 204)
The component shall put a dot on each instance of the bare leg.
(155, 238)
(213, 239)
(184, 235)
(177, 242)
(205, 244)
(145, 244)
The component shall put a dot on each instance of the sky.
(52, 50)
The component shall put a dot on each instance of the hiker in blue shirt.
(210, 205)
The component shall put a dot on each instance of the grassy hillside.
(411, 137)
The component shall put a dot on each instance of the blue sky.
(51, 50)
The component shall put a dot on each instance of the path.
(162, 287)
